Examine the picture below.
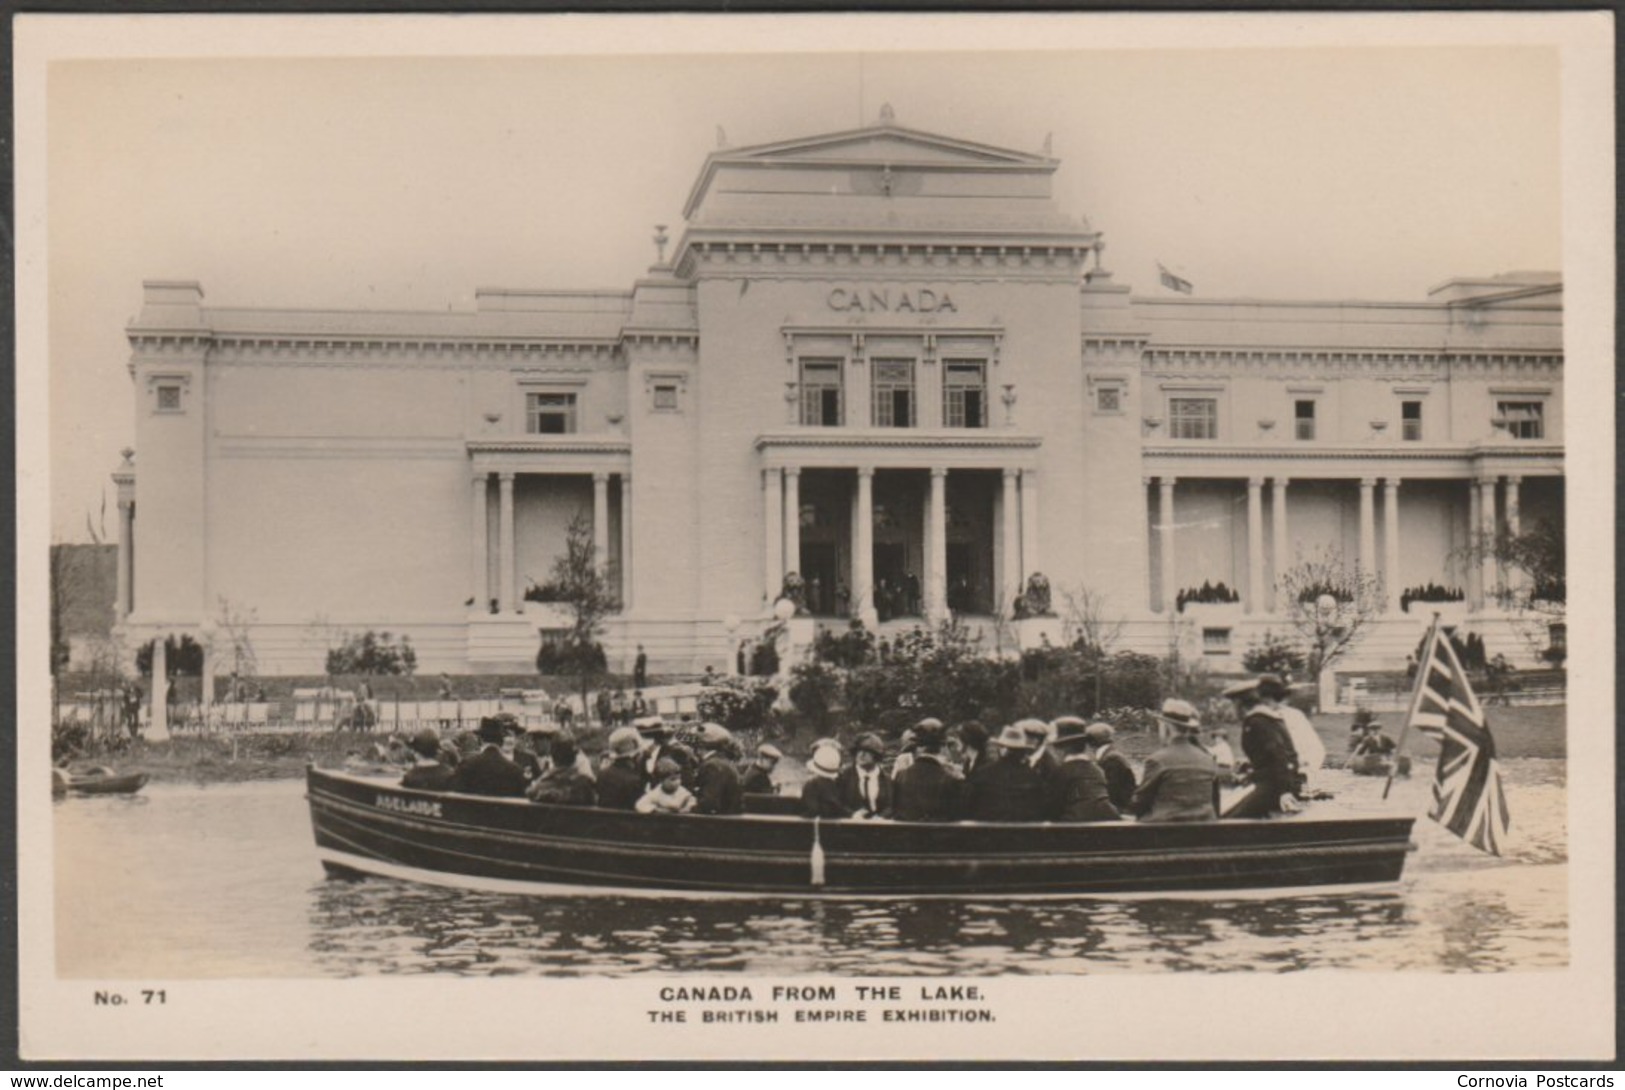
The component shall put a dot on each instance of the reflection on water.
(223, 881)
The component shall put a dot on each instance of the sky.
(408, 182)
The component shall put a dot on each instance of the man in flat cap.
(620, 781)
(1120, 778)
(758, 778)
(429, 772)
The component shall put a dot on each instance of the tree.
(1091, 630)
(1534, 574)
(1273, 655)
(1328, 602)
(588, 596)
(236, 621)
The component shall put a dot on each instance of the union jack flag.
(1467, 795)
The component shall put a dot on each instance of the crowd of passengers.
(1031, 770)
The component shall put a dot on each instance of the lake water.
(188, 882)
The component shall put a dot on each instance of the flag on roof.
(1172, 282)
(1467, 795)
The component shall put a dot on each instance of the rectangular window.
(1523, 419)
(1108, 399)
(1193, 418)
(1215, 641)
(893, 393)
(964, 394)
(169, 398)
(1303, 418)
(666, 398)
(550, 414)
(821, 393)
(1410, 421)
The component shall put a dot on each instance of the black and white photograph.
(840, 537)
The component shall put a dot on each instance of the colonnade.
(506, 591)
(1483, 520)
(1016, 541)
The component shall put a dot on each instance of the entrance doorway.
(820, 575)
(897, 590)
(970, 579)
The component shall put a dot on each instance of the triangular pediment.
(887, 144)
(876, 146)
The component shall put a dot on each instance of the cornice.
(393, 352)
(536, 444)
(854, 256)
(1545, 453)
(897, 438)
(1184, 362)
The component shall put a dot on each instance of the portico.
(918, 526)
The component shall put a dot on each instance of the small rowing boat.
(373, 826)
(96, 781)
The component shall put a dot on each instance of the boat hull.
(373, 826)
(127, 784)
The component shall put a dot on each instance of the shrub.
(740, 704)
(564, 658)
(373, 654)
(1273, 655)
(182, 655)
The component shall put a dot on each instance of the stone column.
(626, 542)
(936, 567)
(1278, 527)
(505, 543)
(1030, 560)
(1165, 528)
(792, 520)
(1390, 544)
(1475, 585)
(772, 534)
(126, 542)
(1255, 545)
(1010, 555)
(1368, 524)
(1487, 526)
(600, 520)
(863, 562)
(158, 725)
(479, 549)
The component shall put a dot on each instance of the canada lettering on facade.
(892, 301)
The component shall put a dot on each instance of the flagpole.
(1416, 698)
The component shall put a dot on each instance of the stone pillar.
(479, 549)
(1475, 585)
(772, 534)
(1255, 545)
(626, 542)
(792, 519)
(600, 520)
(1487, 526)
(1165, 528)
(1390, 544)
(158, 726)
(505, 544)
(936, 566)
(1010, 545)
(1368, 524)
(1278, 528)
(863, 560)
(126, 543)
(1030, 560)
